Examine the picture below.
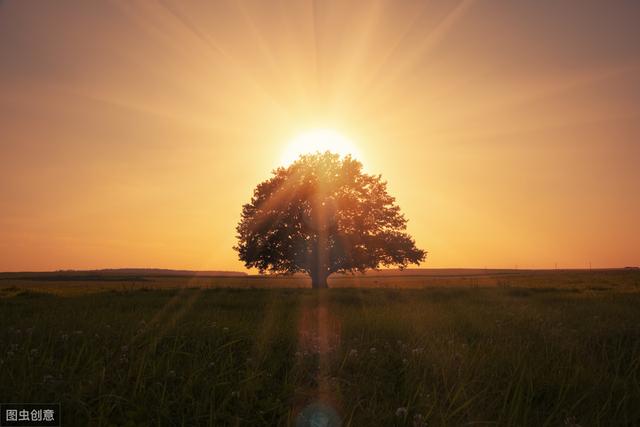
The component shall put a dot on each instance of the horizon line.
(249, 273)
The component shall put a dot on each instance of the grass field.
(555, 348)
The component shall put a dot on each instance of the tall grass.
(483, 356)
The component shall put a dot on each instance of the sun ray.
(380, 83)
(219, 50)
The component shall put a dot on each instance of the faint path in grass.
(318, 337)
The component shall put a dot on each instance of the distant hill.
(166, 272)
(115, 274)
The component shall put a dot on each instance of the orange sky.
(132, 132)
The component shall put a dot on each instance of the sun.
(321, 140)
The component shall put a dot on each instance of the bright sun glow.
(319, 140)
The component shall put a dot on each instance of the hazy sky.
(131, 133)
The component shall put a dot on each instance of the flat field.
(451, 348)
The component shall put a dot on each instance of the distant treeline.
(115, 274)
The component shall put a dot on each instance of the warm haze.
(132, 133)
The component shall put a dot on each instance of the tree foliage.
(323, 215)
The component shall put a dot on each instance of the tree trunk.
(319, 281)
(320, 272)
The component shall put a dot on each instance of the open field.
(76, 283)
(506, 348)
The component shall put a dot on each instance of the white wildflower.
(418, 421)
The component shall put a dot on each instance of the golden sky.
(131, 133)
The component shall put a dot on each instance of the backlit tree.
(323, 215)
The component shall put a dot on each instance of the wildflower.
(171, 374)
(401, 412)
(418, 421)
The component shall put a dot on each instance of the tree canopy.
(323, 215)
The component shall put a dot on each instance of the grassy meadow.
(554, 348)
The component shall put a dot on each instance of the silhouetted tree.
(323, 215)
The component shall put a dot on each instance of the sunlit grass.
(547, 355)
(458, 357)
(108, 365)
